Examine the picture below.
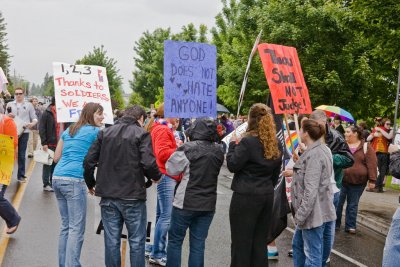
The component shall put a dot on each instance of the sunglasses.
(388, 124)
(18, 93)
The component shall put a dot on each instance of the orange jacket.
(8, 127)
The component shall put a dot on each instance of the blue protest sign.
(190, 80)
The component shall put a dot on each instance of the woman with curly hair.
(256, 162)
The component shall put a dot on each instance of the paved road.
(35, 243)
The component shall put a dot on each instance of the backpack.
(365, 148)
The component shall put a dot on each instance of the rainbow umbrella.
(332, 111)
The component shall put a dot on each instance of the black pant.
(383, 167)
(250, 217)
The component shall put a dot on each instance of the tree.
(99, 57)
(148, 78)
(334, 52)
(48, 85)
(4, 56)
(149, 60)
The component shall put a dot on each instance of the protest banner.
(3, 80)
(190, 80)
(6, 158)
(76, 85)
(285, 79)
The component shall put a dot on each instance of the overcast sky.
(44, 31)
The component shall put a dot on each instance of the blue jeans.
(71, 194)
(336, 197)
(114, 212)
(311, 247)
(47, 173)
(165, 197)
(198, 223)
(22, 145)
(7, 211)
(353, 194)
(391, 252)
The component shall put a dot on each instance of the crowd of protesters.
(183, 157)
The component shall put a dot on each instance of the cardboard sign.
(76, 85)
(190, 80)
(239, 131)
(6, 158)
(285, 79)
(3, 80)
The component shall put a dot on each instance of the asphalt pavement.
(35, 242)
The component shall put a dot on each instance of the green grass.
(389, 184)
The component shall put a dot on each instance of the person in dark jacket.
(391, 252)
(256, 162)
(50, 132)
(200, 161)
(123, 155)
(356, 177)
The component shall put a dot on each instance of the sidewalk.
(375, 210)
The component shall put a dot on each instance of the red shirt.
(164, 144)
(381, 143)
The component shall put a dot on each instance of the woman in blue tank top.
(69, 185)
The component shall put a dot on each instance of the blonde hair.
(261, 124)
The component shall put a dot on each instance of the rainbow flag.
(295, 141)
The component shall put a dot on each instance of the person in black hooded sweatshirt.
(199, 162)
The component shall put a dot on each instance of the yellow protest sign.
(6, 158)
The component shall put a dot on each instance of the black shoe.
(290, 253)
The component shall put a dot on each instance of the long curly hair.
(261, 124)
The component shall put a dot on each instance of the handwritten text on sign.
(76, 85)
(285, 79)
(189, 80)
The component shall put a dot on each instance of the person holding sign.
(256, 162)
(199, 161)
(124, 157)
(69, 185)
(164, 144)
(7, 211)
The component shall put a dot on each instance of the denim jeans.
(71, 195)
(336, 197)
(353, 194)
(114, 212)
(7, 211)
(391, 252)
(47, 174)
(198, 223)
(329, 238)
(311, 246)
(22, 145)
(165, 197)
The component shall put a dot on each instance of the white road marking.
(338, 253)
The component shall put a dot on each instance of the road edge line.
(355, 262)
(16, 203)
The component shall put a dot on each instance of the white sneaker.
(161, 262)
(48, 188)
